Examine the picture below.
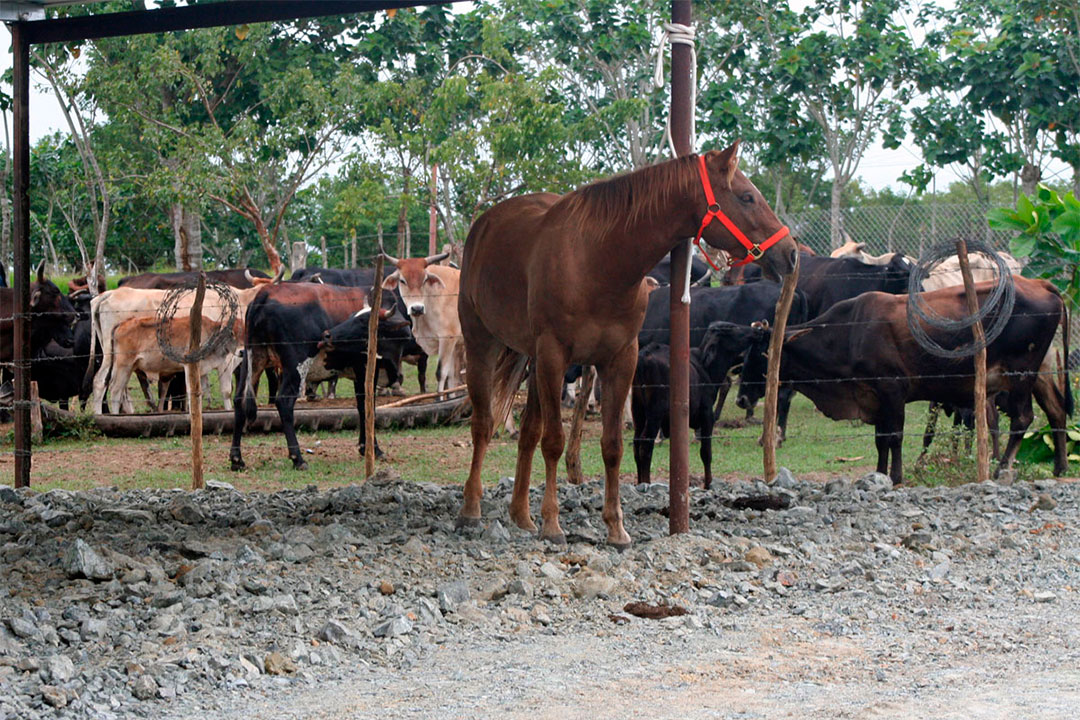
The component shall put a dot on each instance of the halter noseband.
(753, 250)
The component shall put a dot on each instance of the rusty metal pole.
(679, 341)
(982, 433)
(20, 48)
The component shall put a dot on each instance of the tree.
(846, 63)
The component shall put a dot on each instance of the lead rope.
(683, 35)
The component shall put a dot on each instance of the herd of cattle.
(848, 346)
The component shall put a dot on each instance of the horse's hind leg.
(615, 380)
(550, 369)
(532, 426)
(483, 353)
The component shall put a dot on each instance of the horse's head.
(745, 206)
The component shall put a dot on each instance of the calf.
(135, 347)
(58, 370)
(723, 347)
(860, 361)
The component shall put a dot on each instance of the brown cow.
(135, 347)
(859, 361)
(51, 317)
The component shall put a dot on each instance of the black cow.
(58, 370)
(724, 346)
(365, 278)
(739, 304)
(826, 280)
(662, 272)
(51, 317)
(284, 326)
(860, 361)
(237, 278)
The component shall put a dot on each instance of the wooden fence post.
(772, 380)
(194, 386)
(298, 257)
(369, 370)
(982, 433)
(37, 429)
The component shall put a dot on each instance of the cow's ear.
(790, 335)
(35, 297)
(41, 271)
(391, 281)
(433, 279)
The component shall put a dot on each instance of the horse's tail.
(1069, 404)
(510, 370)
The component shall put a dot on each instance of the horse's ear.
(729, 161)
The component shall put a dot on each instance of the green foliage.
(1038, 445)
(1048, 237)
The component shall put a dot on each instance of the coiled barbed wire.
(998, 305)
(219, 339)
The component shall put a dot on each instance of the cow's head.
(51, 313)
(897, 275)
(725, 344)
(756, 362)
(414, 281)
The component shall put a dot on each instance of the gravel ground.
(855, 600)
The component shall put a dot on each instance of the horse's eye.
(748, 198)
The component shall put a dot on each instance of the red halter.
(753, 250)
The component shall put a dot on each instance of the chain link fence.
(897, 228)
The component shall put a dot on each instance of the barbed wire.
(218, 340)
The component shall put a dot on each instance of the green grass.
(816, 448)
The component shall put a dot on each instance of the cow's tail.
(95, 333)
(1069, 405)
(510, 370)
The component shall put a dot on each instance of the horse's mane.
(627, 198)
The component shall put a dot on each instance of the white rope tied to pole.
(677, 33)
(682, 35)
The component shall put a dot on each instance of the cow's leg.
(721, 397)
(421, 371)
(483, 352)
(361, 397)
(532, 425)
(704, 432)
(163, 384)
(784, 397)
(646, 426)
(331, 388)
(288, 392)
(1052, 401)
(615, 379)
(144, 385)
(118, 383)
(889, 437)
(550, 368)
(225, 385)
(1018, 408)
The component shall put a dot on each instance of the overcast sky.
(879, 167)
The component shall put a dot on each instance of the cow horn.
(317, 278)
(41, 271)
(278, 275)
(389, 258)
(78, 293)
(248, 276)
(432, 259)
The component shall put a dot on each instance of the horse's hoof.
(464, 522)
(554, 539)
(236, 465)
(525, 524)
(620, 545)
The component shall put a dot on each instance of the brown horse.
(557, 279)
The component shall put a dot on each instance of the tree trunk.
(1030, 175)
(402, 214)
(834, 214)
(187, 238)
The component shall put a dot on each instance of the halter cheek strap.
(753, 250)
